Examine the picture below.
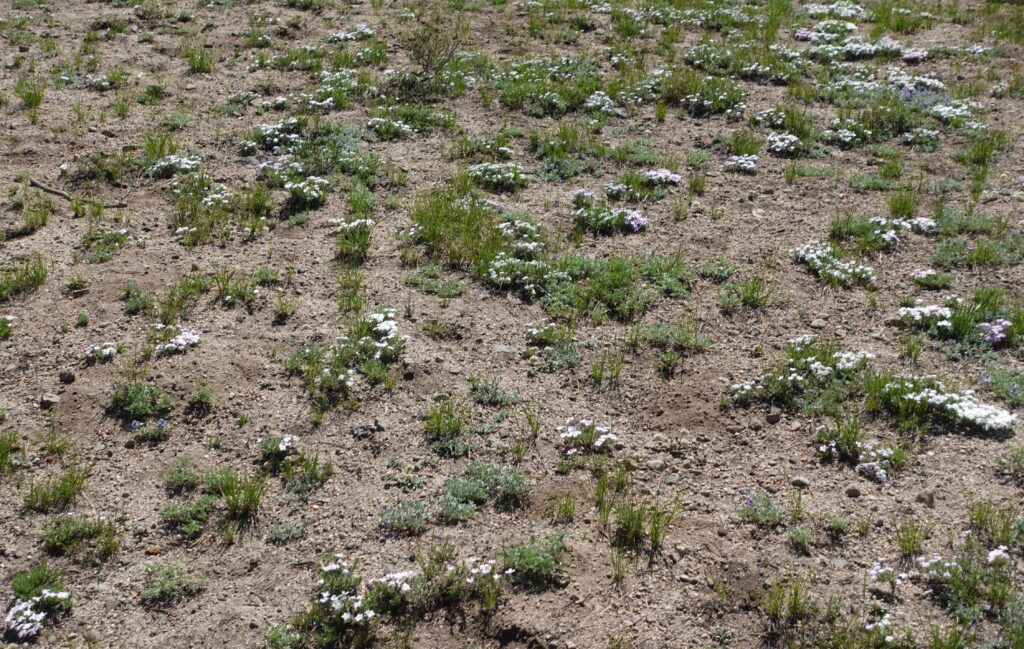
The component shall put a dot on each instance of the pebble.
(818, 323)
(853, 491)
(655, 464)
(926, 498)
(800, 482)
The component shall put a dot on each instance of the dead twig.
(68, 197)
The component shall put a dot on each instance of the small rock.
(800, 482)
(655, 464)
(853, 491)
(48, 401)
(153, 550)
(818, 323)
(774, 416)
(67, 378)
(926, 498)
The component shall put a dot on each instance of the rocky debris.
(48, 401)
(926, 498)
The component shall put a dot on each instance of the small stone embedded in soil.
(818, 323)
(853, 491)
(655, 464)
(800, 482)
(926, 498)
(48, 401)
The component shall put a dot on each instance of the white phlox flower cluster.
(823, 260)
(875, 462)
(526, 275)
(604, 219)
(483, 569)
(741, 163)
(101, 351)
(935, 568)
(804, 370)
(311, 190)
(845, 132)
(600, 102)
(179, 343)
(498, 175)
(288, 443)
(956, 111)
(925, 315)
(882, 573)
(998, 554)
(583, 436)
(344, 225)
(284, 133)
(218, 199)
(914, 54)
(398, 580)
(174, 164)
(961, 407)
(851, 48)
(360, 33)
(783, 144)
(842, 9)
(922, 136)
(661, 177)
(384, 338)
(25, 618)
(389, 127)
